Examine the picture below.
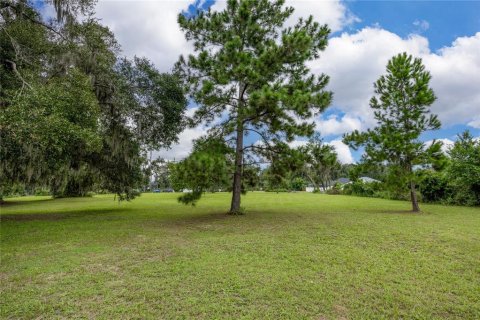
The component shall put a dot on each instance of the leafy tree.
(298, 184)
(249, 76)
(207, 168)
(285, 164)
(158, 169)
(64, 79)
(321, 162)
(250, 177)
(45, 130)
(434, 186)
(463, 172)
(401, 108)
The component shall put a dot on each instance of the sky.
(365, 35)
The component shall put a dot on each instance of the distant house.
(311, 187)
(367, 180)
(342, 181)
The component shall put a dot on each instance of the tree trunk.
(237, 176)
(413, 196)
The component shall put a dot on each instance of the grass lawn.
(292, 256)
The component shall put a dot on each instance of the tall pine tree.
(401, 108)
(249, 76)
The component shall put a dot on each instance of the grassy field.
(292, 256)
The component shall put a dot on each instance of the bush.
(336, 189)
(297, 184)
(361, 189)
(434, 187)
(13, 190)
(277, 190)
(42, 191)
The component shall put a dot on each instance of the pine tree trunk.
(413, 196)
(237, 177)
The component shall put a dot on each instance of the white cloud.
(455, 79)
(343, 151)
(355, 61)
(147, 28)
(446, 144)
(184, 146)
(475, 123)
(421, 25)
(335, 125)
(331, 12)
(297, 143)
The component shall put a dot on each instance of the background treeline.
(76, 116)
(453, 179)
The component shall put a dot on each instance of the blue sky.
(447, 20)
(440, 22)
(445, 34)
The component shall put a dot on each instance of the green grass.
(292, 256)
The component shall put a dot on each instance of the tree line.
(76, 116)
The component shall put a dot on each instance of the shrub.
(336, 189)
(359, 188)
(277, 190)
(42, 191)
(434, 187)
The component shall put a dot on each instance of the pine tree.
(401, 108)
(249, 76)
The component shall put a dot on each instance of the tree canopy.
(321, 162)
(249, 77)
(74, 112)
(401, 108)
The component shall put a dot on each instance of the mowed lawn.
(292, 256)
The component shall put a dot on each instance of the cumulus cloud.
(355, 61)
(334, 13)
(184, 146)
(297, 143)
(343, 151)
(147, 28)
(475, 123)
(336, 125)
(446, 144)
(455, 79)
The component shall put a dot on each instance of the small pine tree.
(401, 108)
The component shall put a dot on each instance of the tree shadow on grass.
(188, 220)
(9, 203)
(59, 215)
(399, 212)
